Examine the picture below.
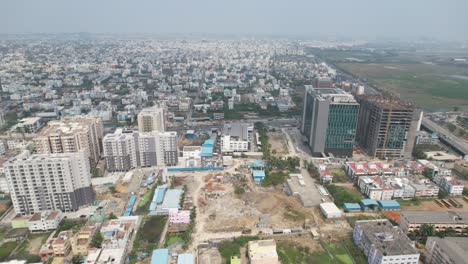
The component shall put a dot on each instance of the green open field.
(433, 87)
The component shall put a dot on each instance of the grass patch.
(145, 202)
(290, 253)
(339, 175)
(6, 249)
(232, 248)
(149, 234)
(343, 195)
(74, 225)
(172, 239)
(428, 86)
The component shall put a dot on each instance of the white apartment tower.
(128, 150)
(166, 144)
(42, 182)
(152, 119)
(72, 134)
(120, 151)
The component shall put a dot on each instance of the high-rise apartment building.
(72, 134)
(49, 182)
(166, 144)
(120, 150)
(152, 119)
(125, 150)
(329, 121)
(386, 127)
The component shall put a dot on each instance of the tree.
(76, 260)
(97, 240)
(426, 230)
(443, 194)
(451, 127)
(112, 216)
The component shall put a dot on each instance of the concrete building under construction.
(386, 127)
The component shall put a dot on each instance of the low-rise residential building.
(263, 252)
(236, 137)
(81, 240)
(62, 245)
(44, 221)
(30, 125)
(179, 216)
(441, 220)
(381, 242)
(116, 232)
(448, 250)
(449, 184)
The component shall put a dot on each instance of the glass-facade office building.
(329, 121)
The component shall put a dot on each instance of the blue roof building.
(185, 258)
(172, 199)
(258, 165)
(258, 175)
(369, 204)
(389, 205)
(160, 256)
(352, 207)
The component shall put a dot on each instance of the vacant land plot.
(278, 143)
(149, 234)
(428, 86)
(6, 249)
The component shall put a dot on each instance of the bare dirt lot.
(278, 143)
(430, 205)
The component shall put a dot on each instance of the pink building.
(176, 216)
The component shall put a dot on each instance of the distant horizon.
(242, 35)
(364, 19)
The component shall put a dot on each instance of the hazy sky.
(442, 19)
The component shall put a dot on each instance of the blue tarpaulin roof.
(258, 173)
(389, 204)
(206, 151)
(172, 199)
(368, 202)
(160, 256)
(257, 163)
(352, 206)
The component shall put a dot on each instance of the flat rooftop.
(385, 237)
(434, 217)
(237, 130)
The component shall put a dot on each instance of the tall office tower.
(329, 121)
(386, 127)
(152, 119)
(121, 150)
(166, 143)
(72, 134)
(49, 182)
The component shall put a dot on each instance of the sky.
(359, 19)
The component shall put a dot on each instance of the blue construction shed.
(352, 207)
(257, 165)
(190, 134)
(389, 205)
(131, 203)
(258, 175)
(369, 205)
(160, 256)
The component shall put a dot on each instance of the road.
(445, 135)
